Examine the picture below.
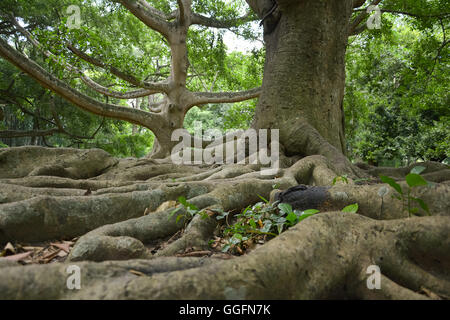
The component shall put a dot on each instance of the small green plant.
(258, 223)
(413, 179)
(343, 178)
(190, 211)
(353, 208)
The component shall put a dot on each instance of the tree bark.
(304, 75)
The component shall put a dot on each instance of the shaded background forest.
(396, 100)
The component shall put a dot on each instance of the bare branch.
(153, 87)
(152, 17)
(200, 98)
(116, 94)
(96, 62)
(182, 10)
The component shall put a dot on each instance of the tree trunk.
(304, 75)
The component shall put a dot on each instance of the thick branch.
(184, 9)
(116, 94)
(221, 24)
(152, 87)
(87, 80)
(200, 98)
(87, 103)
(152, 17)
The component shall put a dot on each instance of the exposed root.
(295, 265)
(435, 171)
(14, 193)
(372, 202)
(196, 236)
(44, 218)
(325, 256)
(61, 162)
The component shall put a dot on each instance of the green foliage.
(413, 179)
(112, 34)
(343, 178)
(125, 145)
(258, 222)
(396, 101)
(190, 211)
(396, 98)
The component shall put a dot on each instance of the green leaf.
(396, 196)
(174, 211)
(285, 208)
(179, 218)
(304, 216)
(280, 227)
(245, 210)
(353, 208)
(422, 204)
(418, 170)
(310, 211)
(415, 180)
(392, 183)
(263, 199)
(292, 218)
(267, 226)
(183, 201)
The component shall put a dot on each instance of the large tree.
(325, 256)
(164, 116)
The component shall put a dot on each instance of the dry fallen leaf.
(31, 248)
(50, 255)
(9, 248)
(138, 273)
(19, 256)
(62, 246)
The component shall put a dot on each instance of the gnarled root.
(326, 256)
